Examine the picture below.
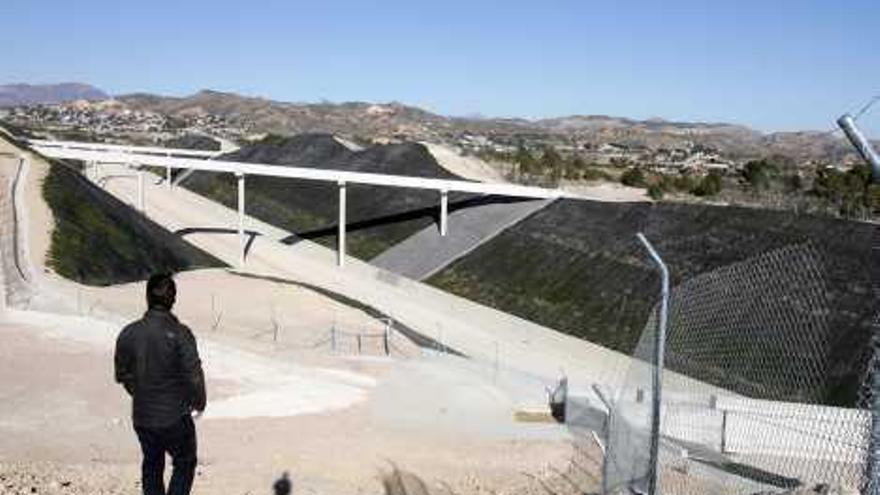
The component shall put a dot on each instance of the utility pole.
(860, 142)
(872, 469)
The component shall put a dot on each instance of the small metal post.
(495, 374)
(241, 237)
(724, 431)
(341, 234)
(168, 176)
(607, 451)
(855, 136)
(214, 320)
(385, 338)
(444, 211)
(333, 337)
(359, 343)
(659, 354)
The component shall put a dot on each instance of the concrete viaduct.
(95, 154)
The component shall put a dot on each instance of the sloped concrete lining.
(426, 252)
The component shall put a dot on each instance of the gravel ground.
(50, 478)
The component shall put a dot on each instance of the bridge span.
(95, 154)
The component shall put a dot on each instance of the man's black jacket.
(158, 364)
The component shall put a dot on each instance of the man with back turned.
(158, 364)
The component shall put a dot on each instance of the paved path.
(426, 252)
(14, 273)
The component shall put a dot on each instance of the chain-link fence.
(745, 396)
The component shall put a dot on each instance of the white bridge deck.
(169, 158)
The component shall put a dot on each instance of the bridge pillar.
(340, 253)
(444, 210)
(140, 196)
(241, 237)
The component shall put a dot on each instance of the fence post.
(724, 431)
(659, 354)
(359, 343)
(606, 433)
(495, 371)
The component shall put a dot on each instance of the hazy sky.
(770, 64)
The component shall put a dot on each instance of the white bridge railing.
(191, 160)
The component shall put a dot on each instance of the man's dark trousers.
(178, 440)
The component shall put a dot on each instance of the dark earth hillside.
(576, 266)
(98, 240)
(377, 217)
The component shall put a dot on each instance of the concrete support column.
(444, 211)
(168, 172)
(241, 235)
(140, 198)
(341, 235)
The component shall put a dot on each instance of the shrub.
(656, 192)
(633, 177)
(684, 183)
(851, 192)
(710, 185)
(760, 173)
(591, 173)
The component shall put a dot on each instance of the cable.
(866, 107)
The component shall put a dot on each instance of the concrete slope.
(426, 252)
(498, 344)
(488, 336)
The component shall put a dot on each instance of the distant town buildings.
(110, 120)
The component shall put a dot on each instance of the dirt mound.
(378, 217)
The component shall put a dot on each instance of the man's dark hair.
(161, 291)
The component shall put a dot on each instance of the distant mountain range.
(388, 120)
(31, 94)
(396, 120)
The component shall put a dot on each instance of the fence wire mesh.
(745, 390)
